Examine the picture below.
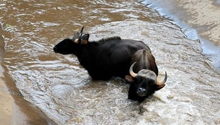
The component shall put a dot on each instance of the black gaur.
(145, 82)
(102, 59)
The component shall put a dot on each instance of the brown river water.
(63, 92)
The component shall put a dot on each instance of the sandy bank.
(14, 110)
(6, 103)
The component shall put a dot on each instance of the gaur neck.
(86, 52)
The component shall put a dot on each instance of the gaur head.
(143, 84)
(72, 46)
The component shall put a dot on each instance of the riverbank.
(6, 110)
(197, 20)
(14, 110)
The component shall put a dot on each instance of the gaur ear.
(129, 78)
(75, 37)
(76, 41)
(85, 39)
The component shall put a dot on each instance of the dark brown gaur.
(145, 82)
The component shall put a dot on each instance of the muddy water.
(199, 20)
(62, 89)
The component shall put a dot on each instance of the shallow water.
(62, 89)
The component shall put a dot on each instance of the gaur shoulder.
(109, 39)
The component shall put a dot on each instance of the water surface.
(62, 89)
(199, 20)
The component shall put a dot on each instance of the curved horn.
(81, 32)
(161, 84)
(131, 71)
